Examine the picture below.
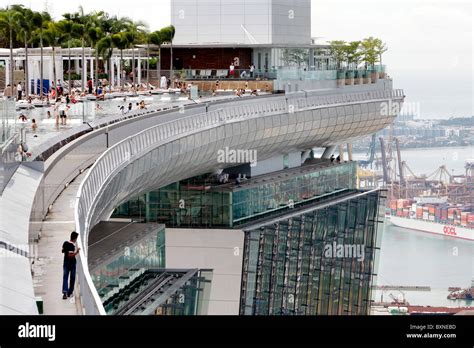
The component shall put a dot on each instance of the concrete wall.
(291, 21)
(273, 164)
(219, 250)
(241, 21)
(213, 21)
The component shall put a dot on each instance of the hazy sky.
(430, 41)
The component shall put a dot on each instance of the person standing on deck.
(69, 266)
(19, 89)
(89, 85)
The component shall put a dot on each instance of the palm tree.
(53, 36)
(120, 42)
(79, 31)
(39, 21)
(110, 26)
(168, 34)
(132, 33)
(8, 25)
(105, 48)
(156, 39)
(83, 23)
(95, 35)
(65, 26)
(24, 22)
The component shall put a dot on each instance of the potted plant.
(380, 48)
(371, 57)
(366, 76)
(350, 77)
(341, 77)
(352, 56)
(338, 52)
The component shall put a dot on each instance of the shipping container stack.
(440, 213)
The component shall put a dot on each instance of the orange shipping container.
(419, 212)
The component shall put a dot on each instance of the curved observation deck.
(188, 146)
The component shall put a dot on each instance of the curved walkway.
(183, 144)
(48, 267)
(189, 146)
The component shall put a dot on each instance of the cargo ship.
(456, 293)
(432, 216)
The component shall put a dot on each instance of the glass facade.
(146, 253)
(200, 203)
(292, 266)
(290, 269)
(161, 292)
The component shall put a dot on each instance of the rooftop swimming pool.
(49, 124)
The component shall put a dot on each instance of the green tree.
(109, 26)
(82, 23)
(133, 32)
(296, 56)
(338, 51)
(66, 26)
(156, 39)
(105, 48)
(120, 42)
(7, 25)
(369, 52)
(53, 36)
(167, 35)
(380, 48)
(24, 22)
(95, 35)
(40, 20)
(352, 54)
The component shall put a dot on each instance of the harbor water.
(413, 258)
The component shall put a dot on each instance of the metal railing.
(216, 74)
(124, 152)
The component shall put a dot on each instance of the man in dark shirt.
(69, 266)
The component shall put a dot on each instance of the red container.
(450, 213)
(444, 214)
(470, 218)
(393, 204)
(419, 212)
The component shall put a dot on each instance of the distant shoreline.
(422, 148)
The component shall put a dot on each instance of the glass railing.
(220, 74)
(7, 117)
(287, 194)
(144, 253)
(295, 73)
